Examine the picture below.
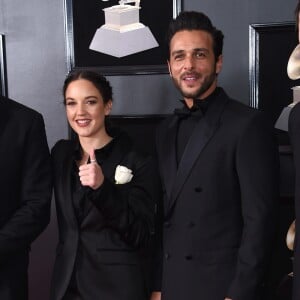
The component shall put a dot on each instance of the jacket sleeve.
(130, 208)
(33, 212)
(257, 166)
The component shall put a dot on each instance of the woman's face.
(85, 108)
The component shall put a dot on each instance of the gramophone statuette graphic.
(293, 67)
(293, 72)
(290, 236)
(284, 289)
(123, 34)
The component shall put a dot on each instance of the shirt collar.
(200, 106)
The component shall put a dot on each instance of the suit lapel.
(201, 135)
(109, 165)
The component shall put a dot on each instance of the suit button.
(198, 189)
(167, 256)
(167, 224)
(188, 257)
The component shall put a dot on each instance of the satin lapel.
(202, 133)
(109, 165)
(168, 159)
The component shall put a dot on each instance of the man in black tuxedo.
(219, 168)
(25, 184)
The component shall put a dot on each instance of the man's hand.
(155, 296)
(91, 174)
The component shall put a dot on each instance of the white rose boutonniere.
(123, 175)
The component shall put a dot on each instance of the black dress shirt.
(188, 118)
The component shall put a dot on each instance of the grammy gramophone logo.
(123, 34)
(293, 72)
(290, 238)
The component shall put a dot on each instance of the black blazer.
(294, 132)
(25, 184)
(107, 247)
(219, 204)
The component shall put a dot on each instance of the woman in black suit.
(105, 195)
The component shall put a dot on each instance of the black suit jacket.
(219, 204)
(294, 132)
(106, 249)
(25, 184)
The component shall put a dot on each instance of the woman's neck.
(89, 144)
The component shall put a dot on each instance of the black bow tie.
(182, 111)
(198, 109)
(200, 104)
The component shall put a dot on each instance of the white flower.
(123, 175)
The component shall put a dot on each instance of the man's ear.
(219, 64)
(108, 107)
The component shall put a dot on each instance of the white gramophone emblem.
(123, 34)
(293, 71)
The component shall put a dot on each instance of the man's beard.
(207, 83)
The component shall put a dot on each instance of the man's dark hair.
(192, 20)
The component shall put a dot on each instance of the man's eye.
(200, 55)
(178, 57)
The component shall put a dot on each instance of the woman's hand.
(155, 296)
(91, 174)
